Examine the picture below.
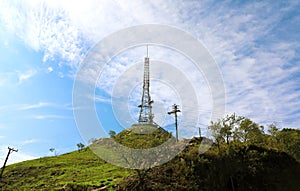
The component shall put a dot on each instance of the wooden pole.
(175, 111)
(10, 150)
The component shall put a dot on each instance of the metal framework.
(146, 116)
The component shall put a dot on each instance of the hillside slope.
(239, 168)
(79, 170)
(234, 166)
(72, 171)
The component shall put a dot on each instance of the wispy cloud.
(6, 78)
(29, 141)
(16, 77)
(254, 43)
(38, 111)
(38, 105)
(102, 99)
(42, 117)
(35, 106)
(49, 69)
(22, 76)
(15, 156)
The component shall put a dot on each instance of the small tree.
(92, 140)
(112, 133)
(230, 125)
(215, 128)
(273, 130)
(251, 132)
(80, 146)
(226, 129)
(53, 151)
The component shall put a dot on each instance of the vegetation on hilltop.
(143, 136)
(238, 168)
(242, 157)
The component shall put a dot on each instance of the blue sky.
(255, 44)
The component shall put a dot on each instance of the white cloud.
(22, 76)
(101, 99)
(14, 157)
(42, 117)
(4, 79)
(36, 110)
(36, 106)
(58, 29)
(251, 42)
(49, 69)
(29, 141)
(16, 77)
(61, 75)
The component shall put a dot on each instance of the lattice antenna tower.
(146, 116)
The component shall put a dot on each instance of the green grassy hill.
(79, 170)
(142, 137)
(73, 171)
(237, 165)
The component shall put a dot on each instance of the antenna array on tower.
(146, 116)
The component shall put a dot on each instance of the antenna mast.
(147, 52)
(146, 116)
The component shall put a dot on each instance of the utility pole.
(10, 150)
(175, 111)
(200, 132)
